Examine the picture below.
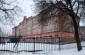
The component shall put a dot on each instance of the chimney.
(25, 17)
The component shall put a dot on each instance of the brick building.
(82, 32)
(61, 26)
(30, 28)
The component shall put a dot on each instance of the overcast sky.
(27, 7)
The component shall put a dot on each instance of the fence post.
(59, 43)
(34, 43)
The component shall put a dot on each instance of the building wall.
(82, 32)
(30, 27)
(60, 26)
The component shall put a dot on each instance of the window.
(84, 33)
(56, 25)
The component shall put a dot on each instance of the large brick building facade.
(30, 28)
(60, 26)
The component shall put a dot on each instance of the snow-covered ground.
(47, 49)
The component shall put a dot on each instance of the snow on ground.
(47, 49)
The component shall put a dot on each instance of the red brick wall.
(30, 27)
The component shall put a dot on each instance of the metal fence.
(35, 44)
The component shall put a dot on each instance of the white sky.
(27, 10)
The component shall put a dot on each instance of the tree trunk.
(77, 34)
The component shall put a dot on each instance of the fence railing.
(35, 44)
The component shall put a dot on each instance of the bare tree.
(8, 11)
(82, 13)
(70, 7)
